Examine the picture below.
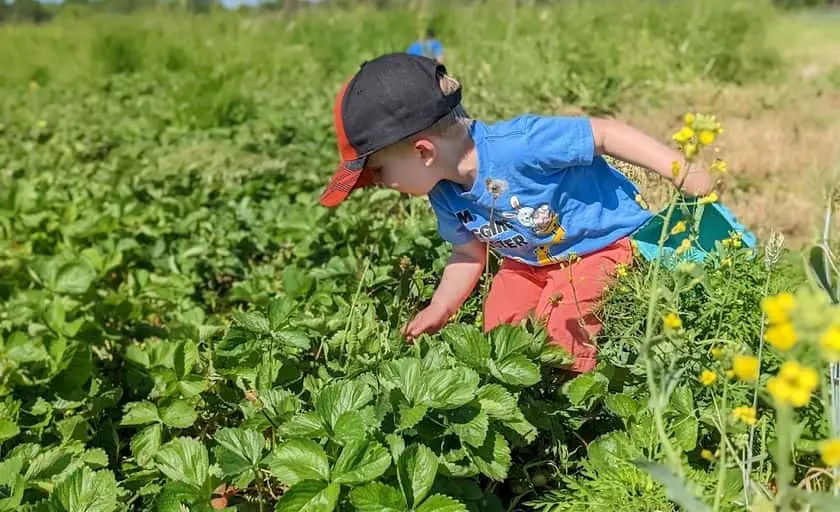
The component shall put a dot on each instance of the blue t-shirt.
(431, 48)
(556, 196)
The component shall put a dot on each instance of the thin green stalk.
(751, 439)
(721, 482)
(670, 452)
(353, 307)
(784, 470)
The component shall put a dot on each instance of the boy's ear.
(425, 149)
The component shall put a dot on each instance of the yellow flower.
(745, 414)
(684, 135)
(709, 199)
(778, 307)
(641, 201)
(684, 246)
(793, 385)
(672, 321)
(745, 367)
(708, 377)
(716, 352)
(830, 452)
(675, 168)
(621, 270)
(688, 118)
(707, 454)
(781, 336)
(690, 150)
(706, 137)
(726, 262)
(720, 166)
(678, 228)
(730, 374)
(830, 343)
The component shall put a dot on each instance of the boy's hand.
(698, 183)
(428, 321)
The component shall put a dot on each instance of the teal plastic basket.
(716, 224)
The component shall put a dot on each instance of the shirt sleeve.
(449, 227)
(560, 142)
(437, 48)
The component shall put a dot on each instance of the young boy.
(535, 188)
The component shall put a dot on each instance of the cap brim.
(343, 182)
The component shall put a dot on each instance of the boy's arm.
(626, 143)
(460, 276)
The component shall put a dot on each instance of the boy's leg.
(514, 293)
(572, 295)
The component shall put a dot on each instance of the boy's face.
(406, 167)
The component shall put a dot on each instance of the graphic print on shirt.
(488, 231)
(543, 222)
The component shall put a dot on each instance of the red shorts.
(565, 296)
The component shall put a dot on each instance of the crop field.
(183, 327)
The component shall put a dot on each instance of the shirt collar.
(479, 188)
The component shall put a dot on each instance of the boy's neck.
(465, 170)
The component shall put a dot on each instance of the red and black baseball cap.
(389, 99)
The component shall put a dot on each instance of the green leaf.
(185, 357)
(74, 277)
(685, 431)
(298, 460)
(350, 427)
(360, 462)
(515, 370)
(12, 483)
(145, 444)
(279, 404)
(8, 429)
(498, 402)
(296, 282)
(509, 340)
(407, 375)
(73, 428)
(377, 497)
(470, 424)
(586, 385)
(296, 339)
(622, 406)
(309, 497)
(416, 472)
(139, 413)
(683, 400)
(184, 460)
(440, 503)
(239, 450)
(469, 344)
(177, 413)
(338, 398)
(820, 268)
(493, 457)
(307, 424)
(279, 310)
(674, 487)
(449, 389)
(555, 356)
(410, 416)
(608, 451)
(253, 321)
(86, 491)
(49, 463)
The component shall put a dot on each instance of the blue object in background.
(717, 224)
